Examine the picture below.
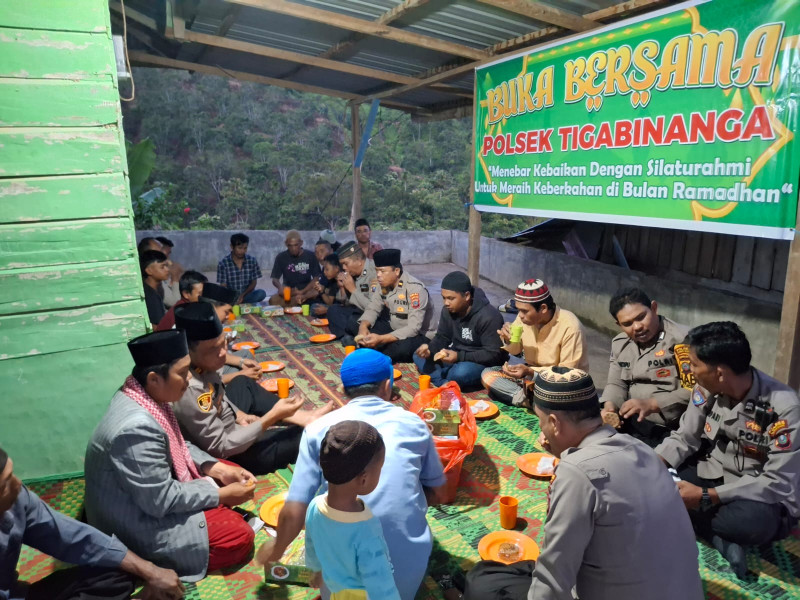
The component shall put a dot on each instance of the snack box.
(250, 309)
(442, 422)
(271, 311)
(237, 325)
(292, 566)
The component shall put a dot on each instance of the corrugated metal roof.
(350, 56)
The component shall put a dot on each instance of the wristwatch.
(705, 500)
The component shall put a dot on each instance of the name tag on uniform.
(403, 316)
(364, 287)
(711, 428)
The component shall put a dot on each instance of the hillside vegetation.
(238, 155)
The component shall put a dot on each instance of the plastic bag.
(452, 452)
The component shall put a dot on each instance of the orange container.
(349, 349)
(283, 388)
(287, 294)
(424, 382)
(508, 512)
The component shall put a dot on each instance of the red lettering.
(758, 125)
(519, 143)
(622, 134)
(676, 132)
(604, 136)
(700, 128)
(544, 140)
(487, 144)
(586, 136)
(731, 116)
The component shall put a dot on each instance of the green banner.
(684, 118)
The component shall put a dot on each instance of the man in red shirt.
(191, 287)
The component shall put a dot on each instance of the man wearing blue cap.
(412, 472)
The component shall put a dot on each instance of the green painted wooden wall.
(70, 290)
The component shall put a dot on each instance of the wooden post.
(474, 249)
(787, 355)
(355, 212)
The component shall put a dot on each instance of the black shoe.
(348, 340)
(733, 553)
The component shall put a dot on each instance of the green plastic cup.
(235, 309)
(516, 334)
(306, 310)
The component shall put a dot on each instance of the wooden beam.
(133, 15)
(545, 13)
(355, 210)
(474, 235)
(787, 354)
(335, 19)
(148, 60)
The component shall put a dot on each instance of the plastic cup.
(349, 349)
(516, 334)
(508, 512)
(306, 310)
(424, 382)
(287, 294)
(235, 309)
(283, 388)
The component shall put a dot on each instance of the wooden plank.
(653, 247)
(88, 16)
(787, 353)
(66, 286)
(644, 243)
(59, 151)
(543, 12)
(342, 21)
(705, 259)
(632, 247)
(64, 197)
(723, 259)
(57, 331)
(31, 54)
(763, 260)
(743, 260)
(691, 255)
(65, 242)
(57, 102)
(60, 397)
(665, 248)
(780, 265)
(677, 250)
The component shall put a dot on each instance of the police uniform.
(651, 372)
(403, 312)
(629, 537)
(207, 415)
(343, 319)
(748, 452)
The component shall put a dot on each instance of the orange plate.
(322, 338)
(489, 412)
(271, 385)
(319, 322)
(271, 508)
(292, 310)
(397, 374)
(269, 366)
(489, 546)
(245, 346)
(529, 464)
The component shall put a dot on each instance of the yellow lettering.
(526, 101)
(619, 59)
(758, 55)
(545, 94)
(575, 70)
(597, 64)
(672, 72)
(711, 57)
(494, 106)
(643, 57)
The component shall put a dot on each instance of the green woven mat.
(457, 528)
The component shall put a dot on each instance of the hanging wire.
(125, 52)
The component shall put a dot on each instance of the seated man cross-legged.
(357, 279)
(736, 450)
(107, 566)
(163, 497)
(240, 272)
(551, 336)
(646, 385)
(615, 528)
(234, 421)
(466, 341)
(295, 268)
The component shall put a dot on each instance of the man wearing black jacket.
(466, 341)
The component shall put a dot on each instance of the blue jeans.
(466, 374)
(255, 296)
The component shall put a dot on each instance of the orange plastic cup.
(424, 382)
(283, 388)
(508, 512)
(349, 349)
(287, 294)
(253, 352)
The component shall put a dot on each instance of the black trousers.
(276, 448)
(491, 580)
(83, 583)
(650, 433)
(744, 522)
(401, 351)
(343, 320)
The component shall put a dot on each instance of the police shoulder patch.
(414, 298)
(783, 441)
(204, 402)
(777, 428)
(698, 398)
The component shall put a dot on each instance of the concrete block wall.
(585, 287)
(202, 250)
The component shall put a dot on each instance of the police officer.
(615, 525)
(216, 424)
(646, 385)
(357, 279)
(736, 450)
(398, 315)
